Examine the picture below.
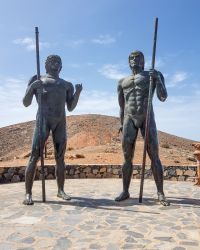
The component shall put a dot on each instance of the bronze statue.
(55, 93)
(133, 99)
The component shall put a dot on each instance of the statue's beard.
(54, 71)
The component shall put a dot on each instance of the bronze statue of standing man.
(56, 93)
(133, 100)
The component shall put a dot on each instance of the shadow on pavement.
(186, 202)
(107, 204)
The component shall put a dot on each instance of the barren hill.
(91, 139)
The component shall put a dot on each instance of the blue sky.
(94, 39)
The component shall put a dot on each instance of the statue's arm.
(73, 97)
(27, 100)
(160, 87)
(121, 101)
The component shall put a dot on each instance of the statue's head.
(136, 59)
(53, 64)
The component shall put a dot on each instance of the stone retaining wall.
(179, 173)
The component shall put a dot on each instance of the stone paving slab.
(92, 220)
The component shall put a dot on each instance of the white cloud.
(179, 77)
(29, 43)
(177, 80)
(97, 102)
(179, 115)
(112, 71)
(12, 91)
(13, 111)
(104, 39)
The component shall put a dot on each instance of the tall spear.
(40, 114)
(148, 112)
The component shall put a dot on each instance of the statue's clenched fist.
(78, 88)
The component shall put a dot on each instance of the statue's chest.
(53, 88)
(138, 83)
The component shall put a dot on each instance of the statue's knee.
(127, 165)
(59, 159)
(156, 162)
(128, 158)
(59, 154)
(60, 163)
(34, 156)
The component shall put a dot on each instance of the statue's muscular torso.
(135, 90)
(133, 94)
(55, 95)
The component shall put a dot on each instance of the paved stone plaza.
(92, 220)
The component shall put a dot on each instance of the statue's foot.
(63, 195)
(123, 196)
(28, 200)
(163, 201)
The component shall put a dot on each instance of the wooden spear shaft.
(149, 106)
(40, 115)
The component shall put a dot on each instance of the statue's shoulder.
(32, 79)
(124, 82)
(161, 75)
(121, 80)
(119, 86)
(66, 84)
(145, 73)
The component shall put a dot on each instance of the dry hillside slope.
(91, 139)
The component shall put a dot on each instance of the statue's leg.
(156, 166)
(59, 139)
(31, 167)
(128, 145)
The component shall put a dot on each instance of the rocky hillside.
(91, 139)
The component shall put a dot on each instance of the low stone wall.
(179, 173)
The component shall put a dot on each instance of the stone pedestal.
(197, 156)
